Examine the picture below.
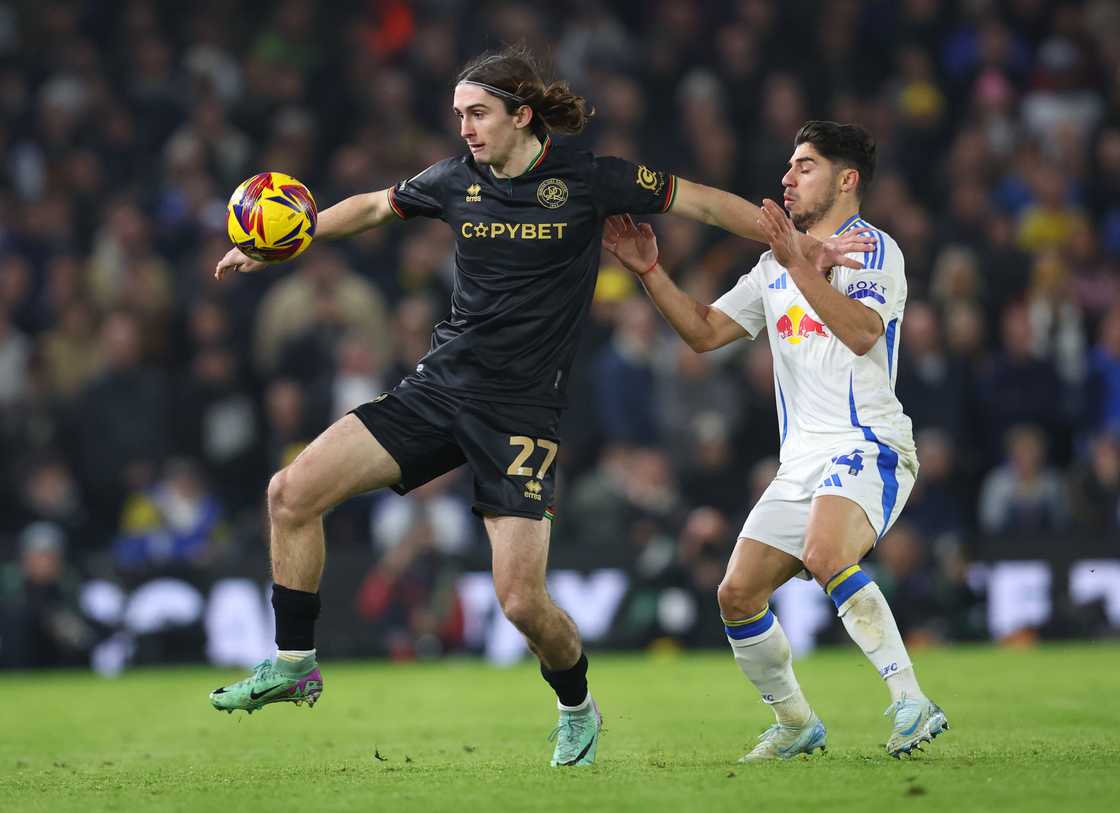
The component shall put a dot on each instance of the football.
(271, 217)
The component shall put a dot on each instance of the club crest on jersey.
(795, 325)
(648, 179)
(474, 193)
(552, 194)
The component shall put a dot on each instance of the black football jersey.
(526, 260)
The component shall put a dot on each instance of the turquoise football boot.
(785, 742)
(577, 736)
(267, 685)
(916, 720)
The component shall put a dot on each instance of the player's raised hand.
(785, 240)
(825, 255)
(235, 260)
(822, 255)
(633, 244)
(853, 241)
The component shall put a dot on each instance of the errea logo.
(533, 490)
(474, 193)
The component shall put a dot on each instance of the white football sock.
(767, 662)
(869, 621)
(294, 655)
(582, 706)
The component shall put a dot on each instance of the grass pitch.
(1031, 730)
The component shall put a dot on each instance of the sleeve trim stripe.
(393, 204)
(670, 194)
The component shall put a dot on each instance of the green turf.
(1031, 730)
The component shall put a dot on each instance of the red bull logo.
(795, 325)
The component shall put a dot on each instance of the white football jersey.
(822, 390)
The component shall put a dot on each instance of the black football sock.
(296, 612)
(569, 684)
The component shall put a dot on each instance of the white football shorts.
(869, 473)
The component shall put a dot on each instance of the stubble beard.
(806, 220)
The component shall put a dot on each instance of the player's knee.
(286, 505)
(738, 599)
(821, 562)
(522, 608)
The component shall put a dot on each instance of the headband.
(505, 94)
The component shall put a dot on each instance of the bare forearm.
(734, 214)
(686, 316)
(354, 214)
(856, 325)
(718, 208)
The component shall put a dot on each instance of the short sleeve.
(745, 303)
(421, 194)
(879, 283)
(622, 187)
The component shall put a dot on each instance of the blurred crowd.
(143, 405)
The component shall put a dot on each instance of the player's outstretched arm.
(856, 325)
(702, 327)
(718, 208)
(355, 214)
(738, 216)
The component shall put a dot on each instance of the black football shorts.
(511, 448)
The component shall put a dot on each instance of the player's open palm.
(783, 237)
(634, 244)
(791, 246)
(235, 260)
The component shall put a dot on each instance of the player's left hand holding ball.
(271, 218)
(233, 261)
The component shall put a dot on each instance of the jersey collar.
(538, 159)
(546, 145)
(847, 224)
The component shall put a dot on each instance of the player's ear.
(522, 116)
(849, 179)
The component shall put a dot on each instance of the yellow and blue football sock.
(869, 621)
(762, 651)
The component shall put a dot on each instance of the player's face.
(811, 186)
(484, 124)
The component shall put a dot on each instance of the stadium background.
(143, 406)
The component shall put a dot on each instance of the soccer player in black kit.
(527, 215)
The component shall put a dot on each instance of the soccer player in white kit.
(846, 447)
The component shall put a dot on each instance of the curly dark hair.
(515, 70)
(849, 145)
